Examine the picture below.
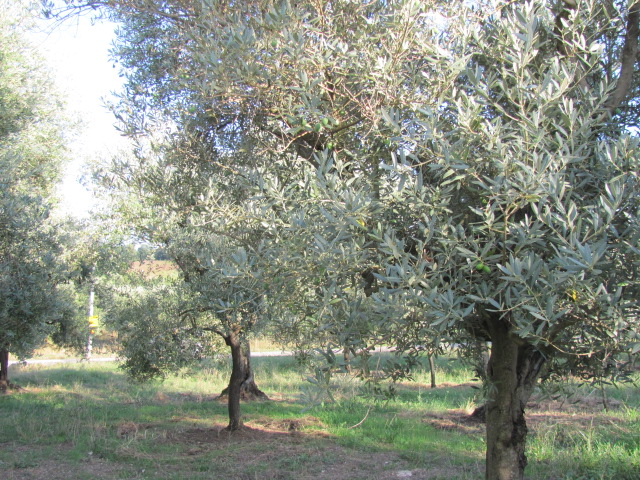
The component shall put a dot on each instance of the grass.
(88, 421)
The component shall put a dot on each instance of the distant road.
(52, 361)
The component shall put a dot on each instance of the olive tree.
(530, 202)
(180, 189)
(166, 192)
(473, 165)
(515, 200)
(33, 297)
(165, 324)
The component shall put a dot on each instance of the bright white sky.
(77, 52)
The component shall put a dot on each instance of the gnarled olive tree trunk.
(242, 385)
(513, 369)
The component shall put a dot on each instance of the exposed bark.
(238, 373)
(514, 367)
(92, 292)
(563, 15)
(628, 58)
(566, 6)
(4, 370)
(242, 385)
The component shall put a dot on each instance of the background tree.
(168, 191)
(32, 299)
(165, 324)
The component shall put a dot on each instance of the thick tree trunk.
(513, 369)
(238, 374)
(242, 384)
(249, 389)
(4, 370)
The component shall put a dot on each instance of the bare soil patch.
(291, 449)
(27, 468)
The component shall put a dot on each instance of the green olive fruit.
(486, 269)
(480, 266)
(325, 121)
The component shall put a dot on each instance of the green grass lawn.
(77, 421)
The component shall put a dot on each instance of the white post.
(87, 355)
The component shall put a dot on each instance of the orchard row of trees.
(47, 262)
(412, 173)
(34, 297)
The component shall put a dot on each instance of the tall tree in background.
(32, 301)
(182, 156)
(472, 165)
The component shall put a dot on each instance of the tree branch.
(215, 330)
(628, 59)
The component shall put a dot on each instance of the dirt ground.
(262, 449)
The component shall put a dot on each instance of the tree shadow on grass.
(288, 448)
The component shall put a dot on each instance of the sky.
(77, 52)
